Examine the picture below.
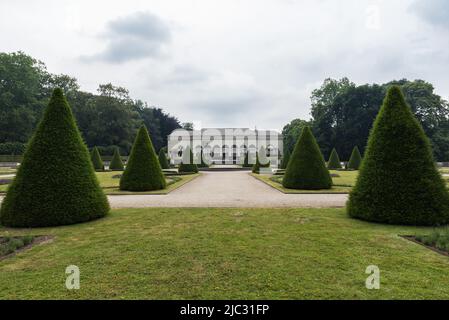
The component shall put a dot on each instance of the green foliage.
(55, 183)
(437, 238)
(202, 163)
(143, 171)
(261, 161)
(398, 181)
(291, 133)
(12, 148)
(306, 169)
(285, 159)
(96, 160)
(163, 161)
(334, 161)
(187, 163)
(355, 160)
(116, 162)
(246, 163)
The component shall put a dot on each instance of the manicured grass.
(110, 181)
(209, 253)
(438, 239)
(342, 184)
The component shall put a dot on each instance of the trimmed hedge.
(116, 162)
(12, 148)
(285, 159)
(258, 165)
(355, 160)
(398, 181)
(202, 163)
(334, 160)
(56, 183)
(246, 163)
(306, 169)
(163, 159)
(187, 163)
(143, 171)
(96, 160)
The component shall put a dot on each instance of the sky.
(232, 63)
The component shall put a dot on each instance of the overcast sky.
(232, 63)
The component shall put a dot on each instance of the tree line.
(342, 114)
(108, 119)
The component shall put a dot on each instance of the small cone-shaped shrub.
(306, 169)
(116, 162)
(96, 160)
(143, 171)
(246, 163)
(55, 183)
(187, 163)
(285, 159)
(163, 159)
(398, 181)
(334, 160)
(258, 165)
(355, 160)
(202, 163)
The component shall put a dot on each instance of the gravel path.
(228, 189)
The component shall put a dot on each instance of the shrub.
(306, 169)
(116, 162)
(143, 171)
(355, 160)
(10, 148)
(202, 163)
(285, 159)
(96, 160)
(163, 161)
(246, 163)
(398, 181)
(187, 163)
(334, 160)
(56, 183)
(261, 155)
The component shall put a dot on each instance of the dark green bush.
(398, 181)
(334, 161)
(56, 182)
(116, 162)
(96, 160)
(163, 159)
(143, 171)
(202, 163)
(187, 163)
(306, 169)
(246, 163)
(285, 159)
(10, 148)
(355, 160)
(261, 161)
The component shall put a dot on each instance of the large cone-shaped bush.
(116, 162)
(143, 171)
(163, 161)
(307, 169)
(285, 159)
(398, 181)
(96, 160)
(55, 183)
(187, 163)
(356, 159)
(334, 160)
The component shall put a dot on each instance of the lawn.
(110, 181)
(209, 253)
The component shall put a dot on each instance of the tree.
(163, 159)
(306, 168)
(355, 160)
(55, 183)
(143, 171)
(291, 133)
(187, 163)
(285, 159)
(96, 160)
(398, 181)
(334, 160)
(116, 162)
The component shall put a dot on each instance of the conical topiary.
(163, 159)
(306, 169)
(143, 171)
(355, 160)
(116, 162)
(202, 163)
(246, 163)
(334, 160)
(261, 155)
(398, 181)
(55, 183)
(187, 164)
(96, 160)
(285, 159)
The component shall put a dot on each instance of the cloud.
(434, 12)
(133, 37)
